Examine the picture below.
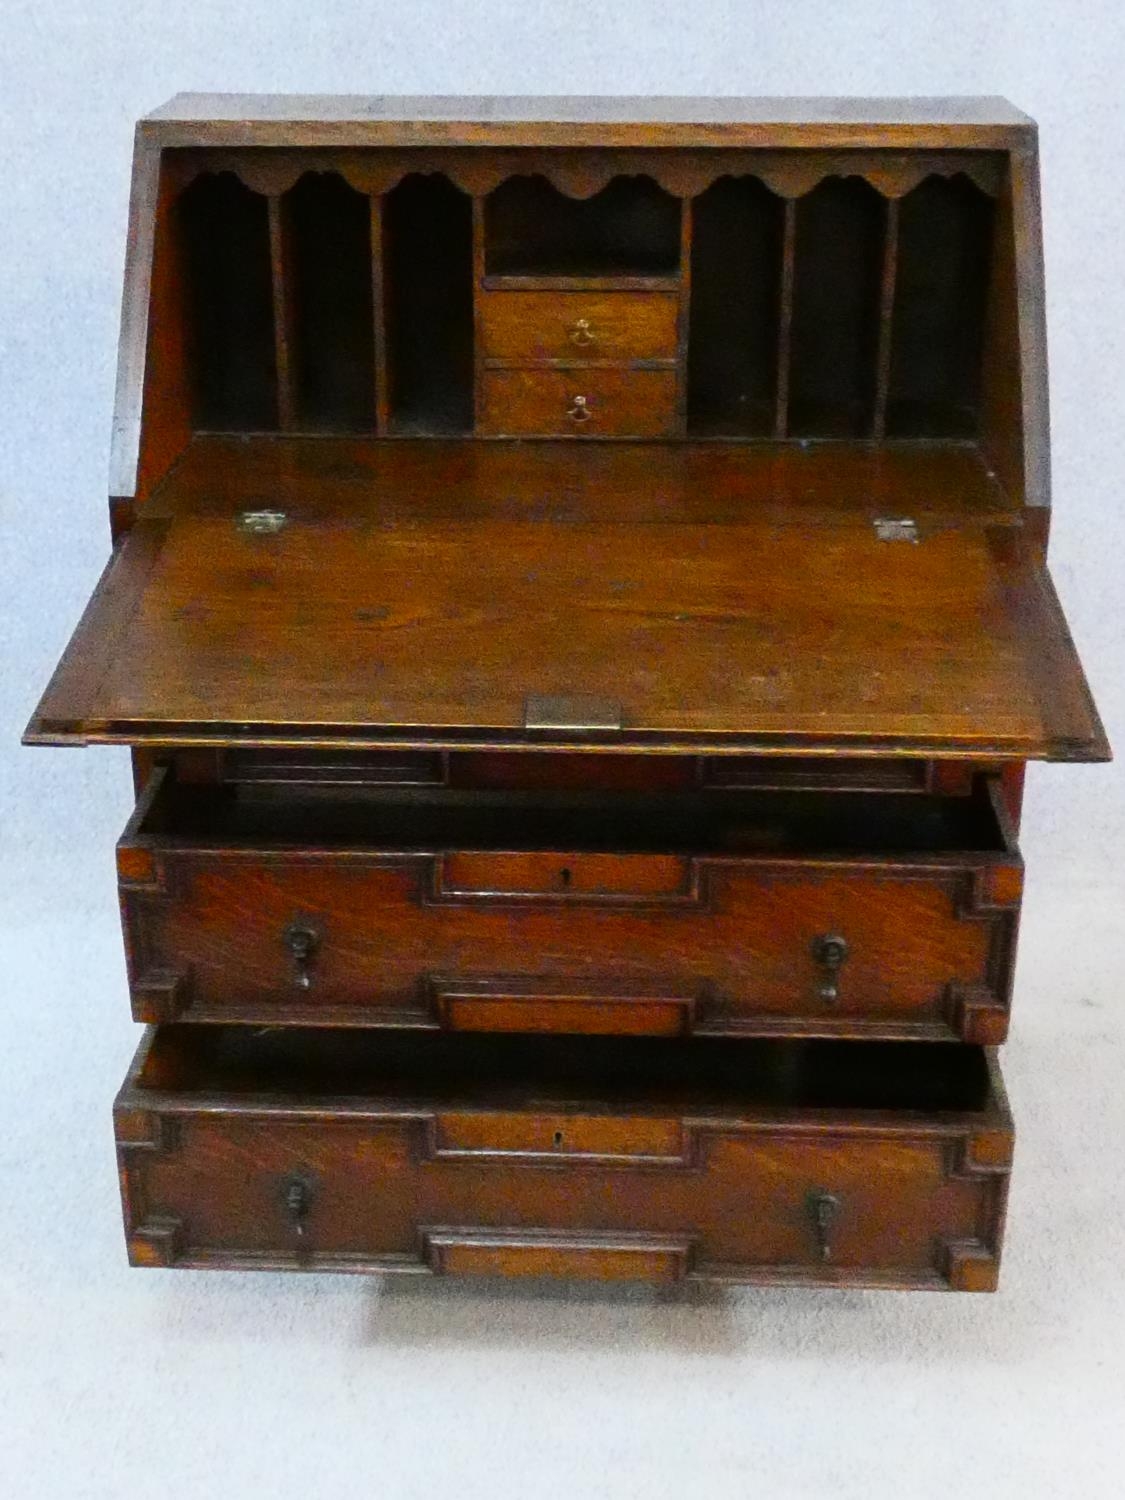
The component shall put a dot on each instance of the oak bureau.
(578, 607)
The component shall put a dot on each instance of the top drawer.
(579, 325)
(833, 914)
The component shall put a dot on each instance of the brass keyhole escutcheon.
(829, 951)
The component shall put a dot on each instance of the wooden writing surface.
(448, 588)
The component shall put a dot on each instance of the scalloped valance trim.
(582, 173)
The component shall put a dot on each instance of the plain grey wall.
(243, 1386)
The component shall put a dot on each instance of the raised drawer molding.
(579, 613)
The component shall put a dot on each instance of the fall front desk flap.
(336, 592)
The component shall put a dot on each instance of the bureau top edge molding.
(200, 119)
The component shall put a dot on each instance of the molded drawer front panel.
(839, 1197)
(719, 946)
(579, 402)
(579, 325)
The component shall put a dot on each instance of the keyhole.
(558, 1137)
(565, 876)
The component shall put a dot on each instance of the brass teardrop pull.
(829, 950)
(582, 334)
(579, 409)
(823, 1207)
(296, 1200)
(302, 942)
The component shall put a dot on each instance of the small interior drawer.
(806, 1162)
(723, 911)
(578, 402)
(521, 325)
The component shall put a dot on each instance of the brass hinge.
(896, 529)
(261, 522)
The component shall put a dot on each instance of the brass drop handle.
(822, 1207)
(829, 951)
(296, 1200)
(582, 334)
(579, 409)
(302, 942)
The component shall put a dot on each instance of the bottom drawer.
(579, 402)
(813, 1162)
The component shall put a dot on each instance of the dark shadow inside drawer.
(573, 1072)
(707, 822)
